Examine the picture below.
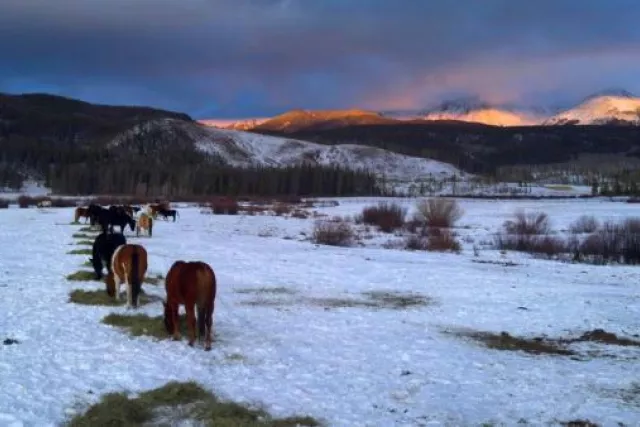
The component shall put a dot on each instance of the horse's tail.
(134, 276)
(202, 313)
(150, 226)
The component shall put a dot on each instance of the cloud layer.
(235, 58)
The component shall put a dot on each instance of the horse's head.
(168, 320)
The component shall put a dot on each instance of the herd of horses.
(191, 284)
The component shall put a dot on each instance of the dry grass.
(177, 402)
(142, 325)
(376, 299)
(84, 243)
(83, 236)
(80, 252)
(279, 290)
(87, 229)
(603, 337)
(505, 341)
(82, 275)
(100, 297)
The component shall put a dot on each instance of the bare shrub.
(26, 201)
(442, 240)
(533, 244)
(416, 242)
(386, 216)
(439, 212)
(613, 243)
(535, 223)
(224, 205)
(584, 224)
(334, 232)
(300, 214)
(281, 209)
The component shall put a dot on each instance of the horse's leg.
(208, 324)
(176, 322)
(191, 322)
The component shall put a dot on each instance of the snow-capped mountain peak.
(606, 107)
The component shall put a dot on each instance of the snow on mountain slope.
(598, 110)
(488, 116)
(234, 124)
(245, 149)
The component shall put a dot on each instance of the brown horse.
(128, 265)
(82, 212)
(144, 222)
(189, 284)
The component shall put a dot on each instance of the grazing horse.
(189, 284)
(128, 265)
(115, 216)
(144, 222)
(82, 212)
(96, 212)
(166, 213)
(103, 248)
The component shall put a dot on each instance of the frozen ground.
(349, 366)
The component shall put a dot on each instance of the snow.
(29, 188)
(245, 148)
(349, 366)
(600, 110)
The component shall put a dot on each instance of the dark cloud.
(241, 57)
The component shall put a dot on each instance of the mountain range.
(611, 106)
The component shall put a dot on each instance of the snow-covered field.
(350, 366)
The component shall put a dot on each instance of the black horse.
(103, 248)
(166, 213)
(109, 218)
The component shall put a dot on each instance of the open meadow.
(367, 335)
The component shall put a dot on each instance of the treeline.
(205, 179)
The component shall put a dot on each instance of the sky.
(258, 58)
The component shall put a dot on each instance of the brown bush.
(584, 224)
(612, 243)
(533, 244)
(386, 216)
(4, 203)
(281, 209)
(535, 223)
(415, 242)
(253, 210)
(439, 212)
(224, 205)
(300, 214)
(26, 201)
(442, 240)
(63, 203)
(335, 232)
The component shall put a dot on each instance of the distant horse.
(166, 213)
(189, 284)
(144, 222)
(95, 213)
(44, 204)
(82, 212)
(109, 218)
(128, 266)
(153, 208)
(104, 246)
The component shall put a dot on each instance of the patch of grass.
(266, 290)
(100, 297)
(142, 325)
(505, 341)
(376, 299)
(559, 187)
(87, 263)
(396, 300)
(84, 243)
(81, 275)
(604, 337)
(266, 302)
(88, 229)
(175, 402)
(82, 236)
(155, 280)
(579, 423)
(80, 252)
